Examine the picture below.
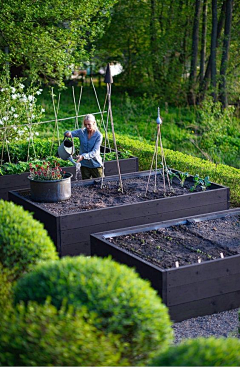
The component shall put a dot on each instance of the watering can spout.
(72, 160)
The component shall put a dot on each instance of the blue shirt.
(89, 148)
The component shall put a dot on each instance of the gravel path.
(223, 324)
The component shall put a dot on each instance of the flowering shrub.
(46, 171)
(18, 110)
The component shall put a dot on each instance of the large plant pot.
(51, 191)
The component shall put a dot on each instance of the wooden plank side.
(78, 229)
(145, 270)
(75, 249)
(184, 205)
(207, 306)
(11, 181)
(126, 166)
(204, 271)
(203, 289)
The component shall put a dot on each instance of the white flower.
(43, 110)
(23, 98)
(2, 89)
(12, 109)
(13, 89)
(38, 92)
(5, 118)
(20, 132)
(14, 128)
(31, 98)
(33, 116)
(37, 133)
(16, 138)
(14, 96)
(21, 86)
(15, 115)
(1, 123)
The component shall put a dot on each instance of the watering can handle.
(70, 137)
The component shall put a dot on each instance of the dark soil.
(186, 244)
(94, 197)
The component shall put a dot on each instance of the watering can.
(66, 149)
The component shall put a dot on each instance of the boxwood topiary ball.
(201, 352)
(124, 303)
(39, 335)
(23, 240)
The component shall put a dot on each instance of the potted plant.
(49, 183)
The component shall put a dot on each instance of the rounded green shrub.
(40, 335)
(5, 289)
(124, 303)
(201, 352)
(23, 240)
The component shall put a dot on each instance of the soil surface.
(187, 244)
(94, 196)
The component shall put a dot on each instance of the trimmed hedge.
(39, 335)
(23, 240)
(124, 303)
(201, 352)
(218, 173)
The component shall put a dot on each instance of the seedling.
(182, 177)
(196, 180)
(170, 174)
(205, 183)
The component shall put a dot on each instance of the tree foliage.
(44, 38)
(163, 46)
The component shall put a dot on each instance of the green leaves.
(45, 39)
(23, 240)
(123, 303)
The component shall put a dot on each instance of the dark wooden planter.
(71, 232)
(188, 291)
(20, 181)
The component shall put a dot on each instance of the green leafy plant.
(23, 240)
(201, 352)
(124, 303)
(46, 172)
(182, 176)
(40, 335)
(202, 182)
(205, 183)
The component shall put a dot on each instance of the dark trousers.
(91, 172)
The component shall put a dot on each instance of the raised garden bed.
(191, 290)
(20, 181)
(92, 209)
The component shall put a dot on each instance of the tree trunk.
(157, 75)
(203, 39)
(195, 41)
(205, 82)
(213, 50)
(225, 52)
